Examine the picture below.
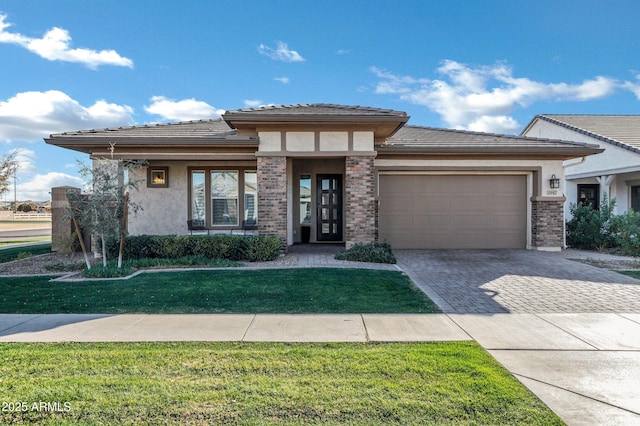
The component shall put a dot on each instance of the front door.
(329, 194)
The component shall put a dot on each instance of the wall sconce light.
(554, 182)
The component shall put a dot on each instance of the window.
(635, 198)
(224, 198)
(198, 204)
(221, 198)
(589, 195)
(250, 198)
(305, 199)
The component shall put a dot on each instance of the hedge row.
(230, 247)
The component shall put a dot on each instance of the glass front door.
(329, 221)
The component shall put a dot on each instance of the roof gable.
(619, 130)
(320, 111)
(384, 122)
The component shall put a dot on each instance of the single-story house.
(348, 174)
(615, 173)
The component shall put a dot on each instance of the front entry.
(329, 201)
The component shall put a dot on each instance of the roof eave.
(565, 153)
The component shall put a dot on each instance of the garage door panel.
(453, 211)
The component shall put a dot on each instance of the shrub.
(109, 271)
(376, 253)
(625, 230)
(600, 230)
(263, 249)
(230, 247)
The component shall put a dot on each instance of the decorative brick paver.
(517, 281)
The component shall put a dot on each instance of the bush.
(230, 247)
(625, 230)
(375, 253)
(262, 249)
(602, 230)
(587, 228)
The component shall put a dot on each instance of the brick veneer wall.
(547, 223)
(272, 197)
(360, 202)
(61, 226)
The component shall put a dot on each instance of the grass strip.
(305, 290)
(633, 274)
(12, 253)
(264, 383)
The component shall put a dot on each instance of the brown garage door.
(453, 211)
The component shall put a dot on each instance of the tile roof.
(429, 139)
(315, 109)
(187, 129)
(620, 130)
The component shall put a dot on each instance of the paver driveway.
(517, 281)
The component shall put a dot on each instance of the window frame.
(208, 219)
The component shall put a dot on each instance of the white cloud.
(283, 80)
(184, 110)
(280, 53)
(38, 188)
(26, 161)
(55, 45)
(30, 116)
(343, 52)
(634, 87)
(252, 103)
(482, 97)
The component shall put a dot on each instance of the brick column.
(547, 223)
(272, 197)
(360, 201)
(61, 227)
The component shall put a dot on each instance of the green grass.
(265, 383)
(633, 274)
(25, 240)
(13, 253)
(307, 290)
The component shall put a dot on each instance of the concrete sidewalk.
(229, 327)
(585, 367)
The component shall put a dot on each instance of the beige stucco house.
(615, 173)
(348, 174)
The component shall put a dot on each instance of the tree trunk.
(104, 250)
(81, 240)
(125, 212)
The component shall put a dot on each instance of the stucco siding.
(164, 210)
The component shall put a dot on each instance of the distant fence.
(21, 216)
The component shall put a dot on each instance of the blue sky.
(485, 66)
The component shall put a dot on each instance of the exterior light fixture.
(554, 182)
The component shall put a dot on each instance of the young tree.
(103, 208)
(8, 167)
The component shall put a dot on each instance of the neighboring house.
(347, 174)
(615, 173)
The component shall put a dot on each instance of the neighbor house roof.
(620, 130)
(417, 139)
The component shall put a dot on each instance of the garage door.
(453, 211)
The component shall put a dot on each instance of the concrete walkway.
(568, 331)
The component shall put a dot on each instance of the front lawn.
(262, 383)
(307, 290)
